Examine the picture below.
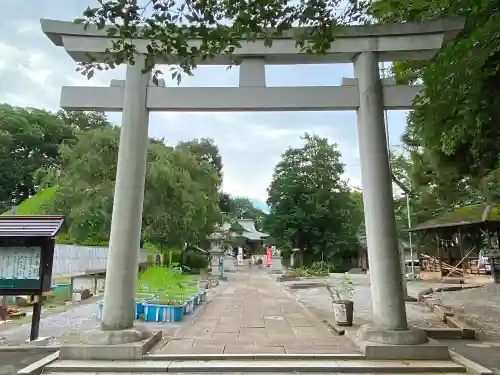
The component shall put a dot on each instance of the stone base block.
(410, 336)
(41, 341)
(138, 332)
(431, 350)
(111, 348)
(409, 344)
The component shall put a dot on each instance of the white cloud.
(32, 71)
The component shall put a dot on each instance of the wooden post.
(35, 319)
(464, 270)
(440, 260)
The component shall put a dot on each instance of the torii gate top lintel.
(392, 42)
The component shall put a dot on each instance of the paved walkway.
(253, 314)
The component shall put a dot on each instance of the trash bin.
(495, 268)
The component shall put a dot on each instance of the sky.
(32, 71)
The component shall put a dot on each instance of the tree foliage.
(311, 207)
(204, 149)
(181, 194)
(453, 135)
(219, 26)
(30, 140)
(243, 208)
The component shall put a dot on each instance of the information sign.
(20, 267)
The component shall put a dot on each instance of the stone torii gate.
(367, 94)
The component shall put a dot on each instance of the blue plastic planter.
(202, 295)
(139, 309)
(163, 313)
(189, 306)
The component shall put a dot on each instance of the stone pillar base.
(112, 345)
(413, 343)
(137, 333)
(411, 336)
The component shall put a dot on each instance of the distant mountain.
(259, 205)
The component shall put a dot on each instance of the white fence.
(72, 260)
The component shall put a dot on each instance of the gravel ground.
(65, 327)
(479, 307)
(318, 300)
(59, 326)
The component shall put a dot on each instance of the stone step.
(254, 366)
(159, 356)
(270, 373)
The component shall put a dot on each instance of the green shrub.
(165, 285)
(196, 260)
(306, 272)
(174, 254)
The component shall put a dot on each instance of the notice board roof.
(30, 226)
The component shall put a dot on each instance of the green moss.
(35, 204)
(463, 215)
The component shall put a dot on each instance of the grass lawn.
(33, 205)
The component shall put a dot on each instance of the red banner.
(269, 256)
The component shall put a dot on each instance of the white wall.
(72, 260)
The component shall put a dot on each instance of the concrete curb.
(308, 285)
(29, 348)
(446, 315)
(472, 368)
(450, 288)
(284, 278)
(37, 367)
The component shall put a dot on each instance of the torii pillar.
(388, 302)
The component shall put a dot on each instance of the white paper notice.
(20, 263)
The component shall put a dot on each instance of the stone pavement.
(253, 314)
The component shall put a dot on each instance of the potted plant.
(343, 305)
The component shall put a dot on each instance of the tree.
(225, 202)
(84, 120)
(181, 194)
(204, 149)
(29, 143)
(29, 140)
(311, 206)
(85, 184)
(243, 208)
(219, 27)
(181, 203)
(454, 135)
